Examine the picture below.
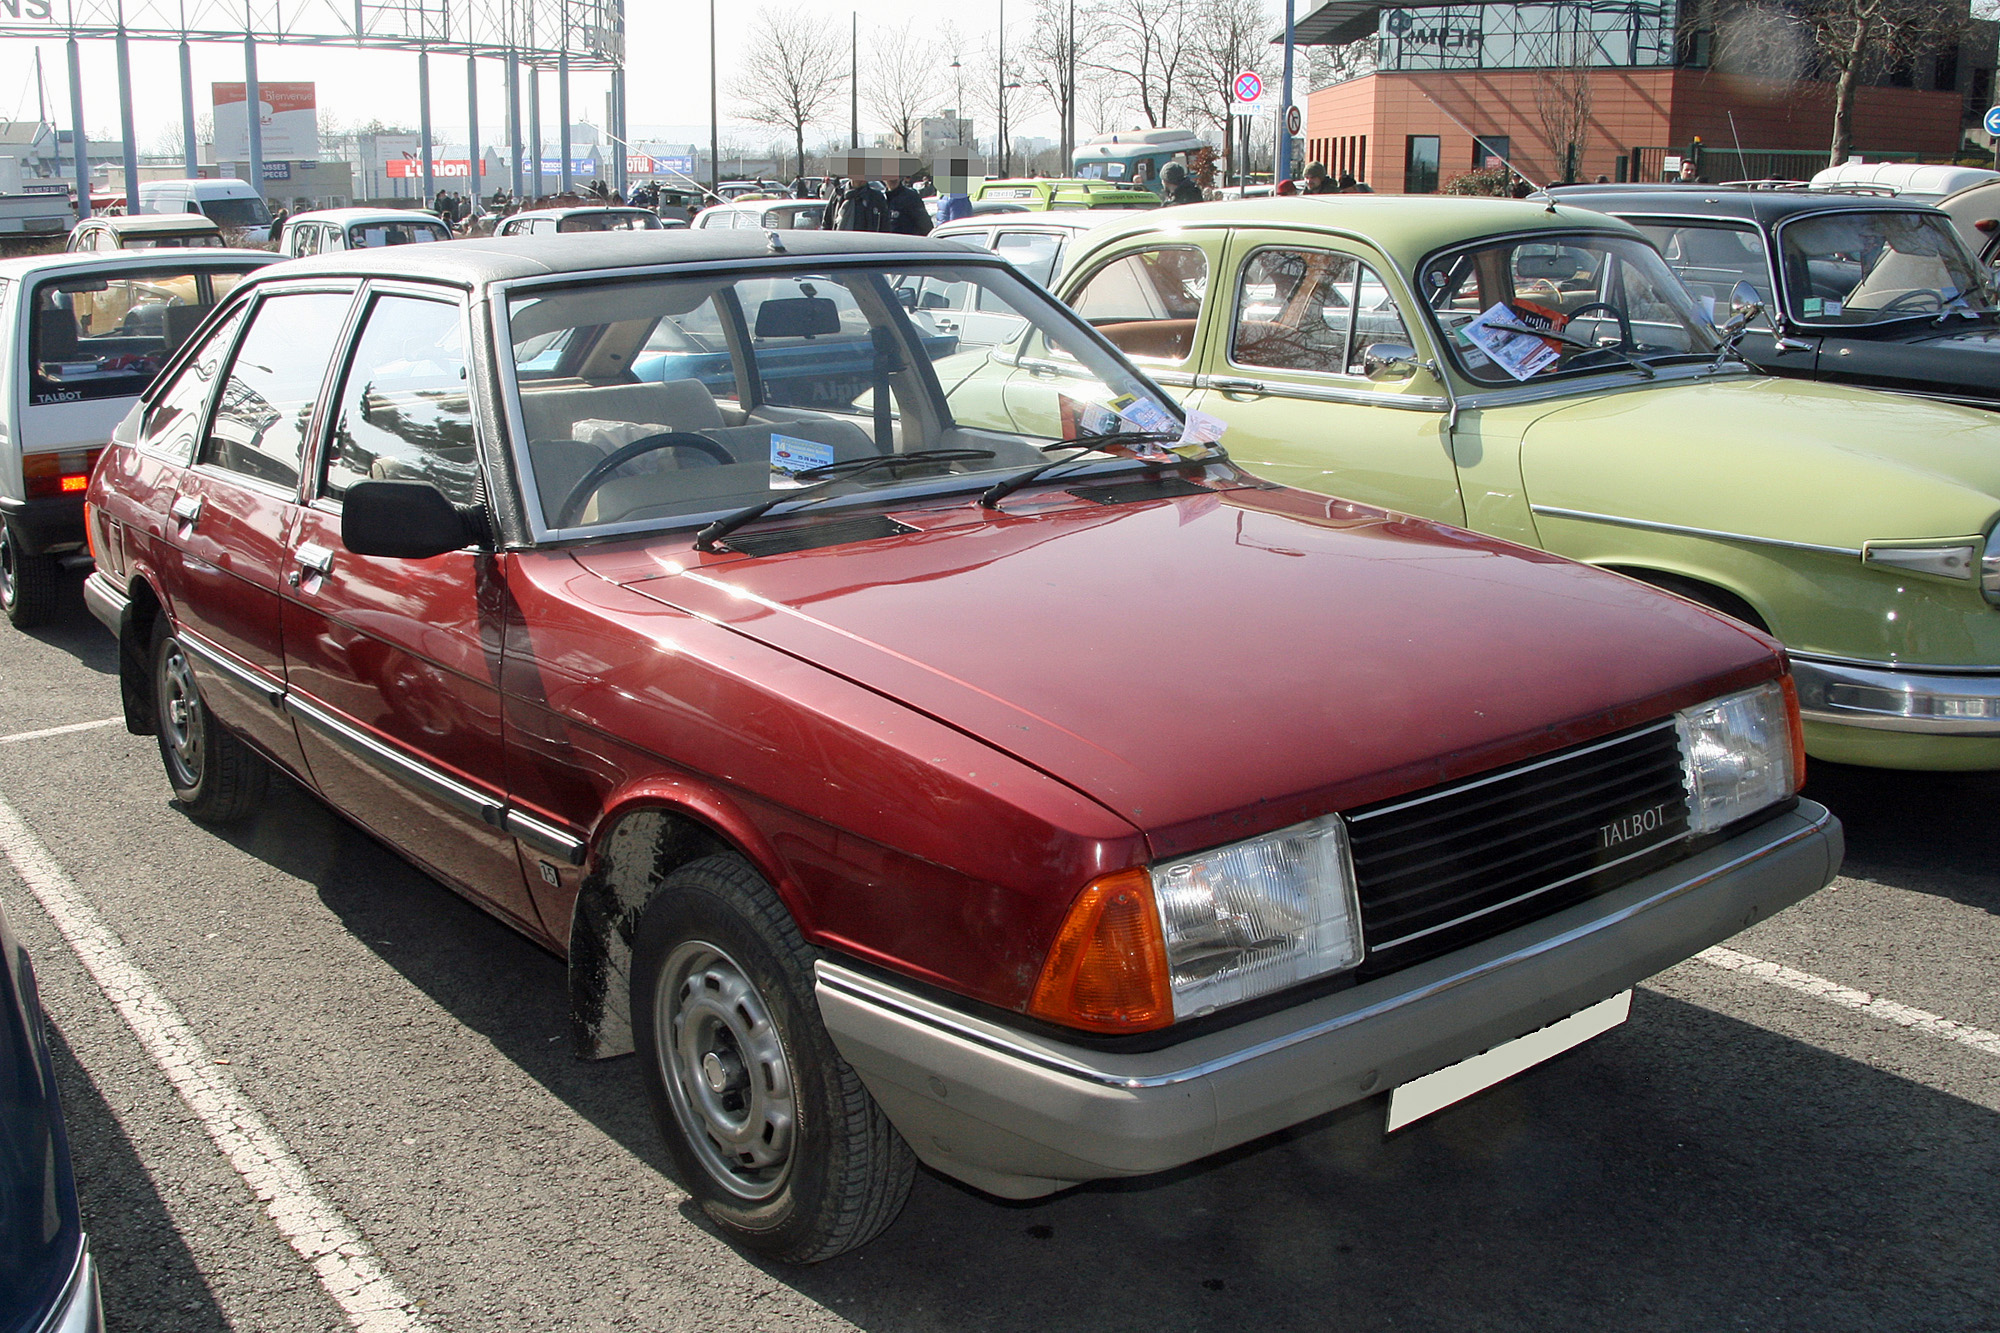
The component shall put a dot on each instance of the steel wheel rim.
(726, 1072)
(7, 579)
(180, 716)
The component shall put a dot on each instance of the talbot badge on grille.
(1635, 825)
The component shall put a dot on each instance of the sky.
(666, 73)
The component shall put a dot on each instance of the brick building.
(1453, 86)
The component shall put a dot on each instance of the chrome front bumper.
(1021, 1114)
(1885, 698)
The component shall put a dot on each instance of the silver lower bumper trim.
(1887, 698)
(1020, 1114)
(106, 602)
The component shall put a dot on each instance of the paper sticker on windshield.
(1502, 334)
(1812, 306)
(1708, 308)
(1832, 308)
(1145, 414)
(791, 456)
(1201, 429)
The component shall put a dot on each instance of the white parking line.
(1917, 1020)
(346, 1265)
(60, 731)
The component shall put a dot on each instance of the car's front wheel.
(216, 777)
(27, 582)
(768, 1126)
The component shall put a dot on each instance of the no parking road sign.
(1249, 88)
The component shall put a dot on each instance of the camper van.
(231, 204)
(1135, 155)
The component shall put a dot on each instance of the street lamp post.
(1000, 120)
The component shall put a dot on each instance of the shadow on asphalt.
(149, 1279)
(1928, 832)
(1687, 1171)
(75, 631)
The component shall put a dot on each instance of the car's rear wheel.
(27, 582)
(216, 777)
(770, 1129)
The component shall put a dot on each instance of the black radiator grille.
(1444, 868)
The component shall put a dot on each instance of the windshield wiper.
(1563, 338)
(823, 479)
(991, 497)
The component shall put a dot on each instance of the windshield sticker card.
(1201, 431)
(1145, 414)
(791, 456)
(1500, 333)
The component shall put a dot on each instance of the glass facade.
(1635, 34)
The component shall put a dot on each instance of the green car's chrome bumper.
(1890, 716)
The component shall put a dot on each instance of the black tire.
(27, 583)
(216, 777)
(769, 1128)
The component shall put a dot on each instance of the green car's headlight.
(1257, 916)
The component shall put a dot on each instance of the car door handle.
(312, 559)
(1238, 386)
(186, 510)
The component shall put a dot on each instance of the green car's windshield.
(1603, 295)
(716, 392)
(1867, 266)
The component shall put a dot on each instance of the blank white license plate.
(1433, 1092)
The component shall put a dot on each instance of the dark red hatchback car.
(919, 748)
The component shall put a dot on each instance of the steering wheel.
(646, 444)
(1624, 321)
(1920, 293)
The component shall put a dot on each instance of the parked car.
(1336, 336)
(1034, 243)
(358, 229)
(1859, 289)
(590, 217)
(86, 333)
(768, 214)
(148, 231)
(1042, 195)
(50, 1278)
(229, 203)
(913, 780)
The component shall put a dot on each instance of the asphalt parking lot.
(1756, 1149)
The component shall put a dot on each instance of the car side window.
(1712, 260)
(174, 420)
(259, 427)
(1147, 302)
(1311, 310)
(405, 411)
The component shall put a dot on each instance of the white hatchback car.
(1034, 243)
(86, 333)
(332, 229)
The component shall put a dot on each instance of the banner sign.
(286, 113)
(442, 168)
(642, 165)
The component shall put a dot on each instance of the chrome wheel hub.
(726, 1071)
(180, 716)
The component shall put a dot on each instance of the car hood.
(1789, 460)
(1214, 666)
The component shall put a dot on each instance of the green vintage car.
(1537, 373)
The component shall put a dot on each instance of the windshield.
(746, 380)
(1868, 266)
(105, 337)
(1612, 294)
(199, 241)
(368, 235)
(237, 212)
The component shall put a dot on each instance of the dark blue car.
(48, 1283)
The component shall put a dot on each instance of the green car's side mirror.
(1384, 362)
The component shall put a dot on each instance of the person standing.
(1316, 181)
(859, 207)
(908, 215)
(1179, 188)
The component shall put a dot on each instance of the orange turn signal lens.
(1798, 731)
(90, 530)
(1107, 970)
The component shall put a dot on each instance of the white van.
(84, 335)
(235, 207)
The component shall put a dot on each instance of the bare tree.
(1146, 51)
(1052, 60)
(793, 70)
(1104, 106)
(902, 80)
(1328, 65)
(1856, 40)
(1562, 102)
(1229, 37)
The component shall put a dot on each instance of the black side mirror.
(409, 520)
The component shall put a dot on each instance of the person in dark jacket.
(907, 214)
(1179, 189)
